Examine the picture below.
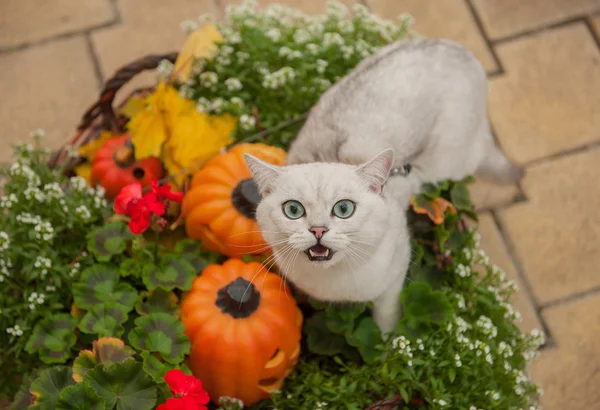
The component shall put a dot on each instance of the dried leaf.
(133, 106)
(200, 43)
(434, 209)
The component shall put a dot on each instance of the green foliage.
(100, 284)
(170, 273)
(46, 389)
(157, 301)
(45, 217)
(276, 64)
(123, 385)
(161, 333)
(105, 319)
(109, 240)
(80, 396)
(53, 338)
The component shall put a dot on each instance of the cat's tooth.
(312, 254)
(327, 253)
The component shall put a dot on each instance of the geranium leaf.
(53, 338)
(162, 333)
(341, 320)
(23, 398)
(124, 385)
(105, 319)
(108, 240)
(130, 267)
(366, 338)
(460, 197)
(108, 350)
(155, 367)
(83, 363)
(100, 284)
(157, 301)
(320, 340)
(422, 304)
(47, 387)
(81, 396)
(170, 274)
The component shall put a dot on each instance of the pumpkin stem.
(123, 156)
(239, 299)
(245, 197)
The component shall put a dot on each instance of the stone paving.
(543, 60)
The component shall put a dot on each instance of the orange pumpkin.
(244, 327)
(114, 166)
(219, 208)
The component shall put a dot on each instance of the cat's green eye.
(293, 209)
(344, 208)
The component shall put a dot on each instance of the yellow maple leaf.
(85, 171)
(89, 150)
(150, 127)
(133, 106)
(196, 138)
(200, 43)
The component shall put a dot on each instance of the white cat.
(337, 234)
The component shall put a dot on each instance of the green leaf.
(162, 333)
(100, 284)
(23, 398)
(189, 250)
(460, 197)
(340, 319)
(130, 267)
(47, 387)
(320, 340)
(124, 385)
(155, 367)
(158, 301)
(83, 363)
(366, 338)
(81, 396)
(170, 274)
(422, 304)
(52, 338)
(105, 319)
(109, 240)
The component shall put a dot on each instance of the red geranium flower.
(138, 207)
(164, 191)
(188, 391)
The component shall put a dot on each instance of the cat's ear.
(263, 173)
(377, 170)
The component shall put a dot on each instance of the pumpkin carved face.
(114, 166)
(245, 335)
(219, 208)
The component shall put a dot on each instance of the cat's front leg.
(387, 309)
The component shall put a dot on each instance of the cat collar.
(404, 170)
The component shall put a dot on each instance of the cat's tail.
(498, 168)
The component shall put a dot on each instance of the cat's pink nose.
(318, 231)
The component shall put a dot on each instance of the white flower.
(83, 212)
(209, 79)
(441, 402)
(237, 101)
(347, 52)
(333, 39)
(247, 122)
(203, 105)
(233, 84)
(321, 404)
(463, 271)
(312, 48)
(186, 91)
(4, 241)
(187, 26)
(273, 34)
(50, 288)
(165, 68)
(242, 56)
(301, 36)
(7, 201)
(78, 183)
(15, 330)
(216, 105)
(279, 78)
(321, 66)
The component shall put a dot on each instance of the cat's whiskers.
(264, 264)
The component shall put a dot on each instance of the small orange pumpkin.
(244, 327)
(114, 166)
(219, 208)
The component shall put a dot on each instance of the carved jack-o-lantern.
(245, 330)
(220, 205)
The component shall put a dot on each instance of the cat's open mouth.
(319, 253)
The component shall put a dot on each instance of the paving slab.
(569, 373)
(503, 18)
(555, 233)
(46, 87)
(488, 195)
(547, 102)
(23, 21)
(449, 19)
